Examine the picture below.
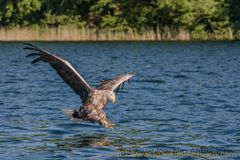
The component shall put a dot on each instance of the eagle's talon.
(110, 125)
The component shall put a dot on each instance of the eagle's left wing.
(64, 69)
(116, 83)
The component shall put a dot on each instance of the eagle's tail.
(68, 113)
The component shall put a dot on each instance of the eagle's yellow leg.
(110, 125)
(107, 123)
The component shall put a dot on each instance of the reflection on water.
(185, 96)
(74, 141)
(78, 141)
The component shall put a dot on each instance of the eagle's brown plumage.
(93, 99)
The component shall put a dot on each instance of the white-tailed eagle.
(94, 100)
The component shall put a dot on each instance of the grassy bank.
(85, 34)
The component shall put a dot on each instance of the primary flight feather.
(94, 100)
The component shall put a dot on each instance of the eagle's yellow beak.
(113, 99)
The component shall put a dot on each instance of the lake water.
(186, 96)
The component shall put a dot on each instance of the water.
(186, 96)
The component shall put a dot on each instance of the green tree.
(66, 12)
(210, 19)
(107, 14)
(234, 16)
(202, 18)
(18, 12)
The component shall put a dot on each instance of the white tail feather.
(68, 112)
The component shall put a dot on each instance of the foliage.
(18, 12)
(204, 19)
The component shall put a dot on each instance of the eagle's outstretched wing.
(116, 83)
(64, 68)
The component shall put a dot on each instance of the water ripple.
(185, 96)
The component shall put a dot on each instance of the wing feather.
(116, 83)
(64, 68)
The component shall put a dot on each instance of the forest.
(164, 19)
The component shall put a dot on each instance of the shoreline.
(85, 34)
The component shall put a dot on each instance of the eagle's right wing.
(64, 68)
(115, 83)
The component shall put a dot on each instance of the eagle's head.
(111, 96)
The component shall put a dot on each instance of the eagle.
(93, 99)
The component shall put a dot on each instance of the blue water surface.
(186, 95)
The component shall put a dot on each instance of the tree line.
(202, 19)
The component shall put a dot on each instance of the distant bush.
(203, 19)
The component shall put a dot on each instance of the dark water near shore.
(186, 96)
